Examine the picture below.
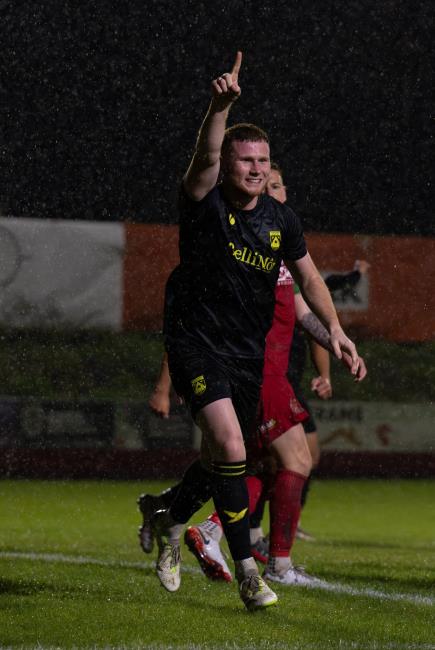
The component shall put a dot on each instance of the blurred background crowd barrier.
(76, 274)
(69, 276)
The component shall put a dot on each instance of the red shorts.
(279, 410)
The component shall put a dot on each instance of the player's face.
(246, 167)
(275, 186)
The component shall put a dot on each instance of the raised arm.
(203, 171)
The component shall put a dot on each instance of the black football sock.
(194, 490)
(168, 496)
(231, 500)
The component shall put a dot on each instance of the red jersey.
(280, 335)
(279, 410)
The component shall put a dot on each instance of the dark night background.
(101, 102)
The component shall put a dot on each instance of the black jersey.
(221, 295)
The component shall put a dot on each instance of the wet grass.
(94, 588)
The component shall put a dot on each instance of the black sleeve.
(294, 243)
(342, 280)
(187, 207)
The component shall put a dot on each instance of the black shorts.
(308, 424)
(201, 377)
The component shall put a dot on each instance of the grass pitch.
(73, 576)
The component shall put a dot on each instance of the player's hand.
(362, 369)
(322, 387)
(226, 89)
(159, 403)
(341, 343)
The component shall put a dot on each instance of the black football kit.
(220, 298)
(218, 309)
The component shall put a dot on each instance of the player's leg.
(256, 517)
(205, 382)
(281, 431)
(168, 524)
(258, 495)
(225, 451)
(203, 539)
(196, 377)
(223, 485)
(223, 435)
(313, 444)
(260, 540)
(294, 457)
(148, 505)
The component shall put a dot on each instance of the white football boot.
(294, 575)
(203, 542)
(256, 593)
(169, 559)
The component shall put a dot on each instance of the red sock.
(285, 509)
(255, 488)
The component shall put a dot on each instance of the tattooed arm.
(312, 325)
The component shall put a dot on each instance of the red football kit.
(279, 410)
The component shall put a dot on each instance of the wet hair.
(243, 132)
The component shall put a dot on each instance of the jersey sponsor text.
(253, 258)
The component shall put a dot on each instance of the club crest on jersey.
(231, 219)
(198, 384)
(275, 239)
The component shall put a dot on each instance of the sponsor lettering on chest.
(260, 261)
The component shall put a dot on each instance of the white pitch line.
(334, 587)
(80, 559)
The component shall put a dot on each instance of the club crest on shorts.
(198, 384)
(295, 406)
(275, 239)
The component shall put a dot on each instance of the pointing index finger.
(236, 67)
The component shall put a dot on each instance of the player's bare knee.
(235, 450)
(231, 449)
(300, 463)
(306, 466)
